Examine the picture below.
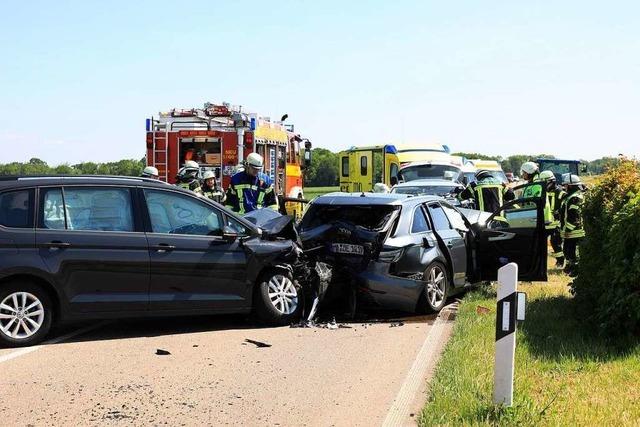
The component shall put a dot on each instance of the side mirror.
(393, 180)
(307, 158)
(584, 168)
(229, 234)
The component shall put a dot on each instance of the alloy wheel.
(436, 286)
(283, 294)
(21, 315)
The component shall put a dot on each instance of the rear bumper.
(378, 288)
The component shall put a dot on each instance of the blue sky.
(78, 78)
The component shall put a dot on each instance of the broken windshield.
(371, 217)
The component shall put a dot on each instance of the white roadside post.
(510, 308)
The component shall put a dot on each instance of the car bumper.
(378, 288)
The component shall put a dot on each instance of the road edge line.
(399, 412)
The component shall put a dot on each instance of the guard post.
(510, 308)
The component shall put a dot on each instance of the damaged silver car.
(411, 253)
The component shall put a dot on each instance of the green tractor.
(560, 167)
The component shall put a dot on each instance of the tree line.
(323, 171)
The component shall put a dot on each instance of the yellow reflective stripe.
(260, 198)
(268, 190)
(569, 226)
(240, 200)
(574, 207)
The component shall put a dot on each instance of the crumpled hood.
(273, 224)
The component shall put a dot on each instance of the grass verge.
(565, 374)
(311, 192)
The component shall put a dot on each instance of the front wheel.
(278, 300)
(437, 287)
(26, 314)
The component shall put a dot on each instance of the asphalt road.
(109, 373)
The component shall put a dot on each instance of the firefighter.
(210, 188)
(571, 224)
(251, 189)
(530, 172)
(188, 177)
(487, 191)
(552, 214)
(150, 172)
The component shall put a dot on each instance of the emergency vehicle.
(420, 152)
(218, 137)
(362, 167)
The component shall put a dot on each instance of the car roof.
(428, 182)
(380, 199)
(37, 180)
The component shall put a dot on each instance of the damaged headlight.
(392, 255)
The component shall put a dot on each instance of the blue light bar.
(390, 149)
(148, 125)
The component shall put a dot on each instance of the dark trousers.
(556, 244)
(570, 249)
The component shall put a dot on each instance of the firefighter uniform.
(192, 185)
(555, 201)
(247, 193)
(488, 193)
(571, 226)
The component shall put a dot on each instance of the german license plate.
(347, 248)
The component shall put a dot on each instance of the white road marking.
(399, 413)
(27, 350)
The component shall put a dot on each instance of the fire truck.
(219, 136)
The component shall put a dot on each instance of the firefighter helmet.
(150, 172)
(529, 168)
(255, 160)
(208, 174)
(482, 174)
(570, 179)
(547, 176)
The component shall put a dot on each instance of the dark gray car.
(411, 253)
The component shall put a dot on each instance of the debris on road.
(160, 352)
(257, 343)
(396, 324)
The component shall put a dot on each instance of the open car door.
(515, 233)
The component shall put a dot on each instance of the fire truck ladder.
(161, 140)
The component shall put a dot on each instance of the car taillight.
(392, 255)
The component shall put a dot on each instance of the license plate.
(346, 248)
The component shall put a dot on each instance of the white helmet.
(150, 172)
(190, 164)
(570, 179)
(208, 174)
(529, 168)
(255, 160)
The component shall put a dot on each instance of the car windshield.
(425, 190)
(411, 173)
(371, 217)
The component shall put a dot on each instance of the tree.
(323, 170)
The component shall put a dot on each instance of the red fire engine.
(218, 137)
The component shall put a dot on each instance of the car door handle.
(449, 244)
(56, 244)
(502, 235)
(163, 247)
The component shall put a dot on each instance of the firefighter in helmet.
(188, 177)
(552, 214)
(251, 189)
(487, 191)
(530, 172)
(150, 172)
(571, 222)
(210, 188)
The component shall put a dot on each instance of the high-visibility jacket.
(247, 193)
(554, 198)
(216, 194)
(489, 194)
(533, 190)
(191, 185)
(571, 225)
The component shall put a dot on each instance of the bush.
(608, 284)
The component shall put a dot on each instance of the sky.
(78, 79)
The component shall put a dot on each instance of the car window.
(90, 209)
(439, 218)
(237, 227)
(455, 218)
(52, 209)
(175, 213)
(419, 224)
(16, 209)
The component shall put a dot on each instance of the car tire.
(26, 314)
(437, 287)
(278, 299)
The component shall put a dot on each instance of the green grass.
(565, 374)
(311, 192)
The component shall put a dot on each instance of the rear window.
(429, 171)
(16, 209)
(425, 190)
(371, 217)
